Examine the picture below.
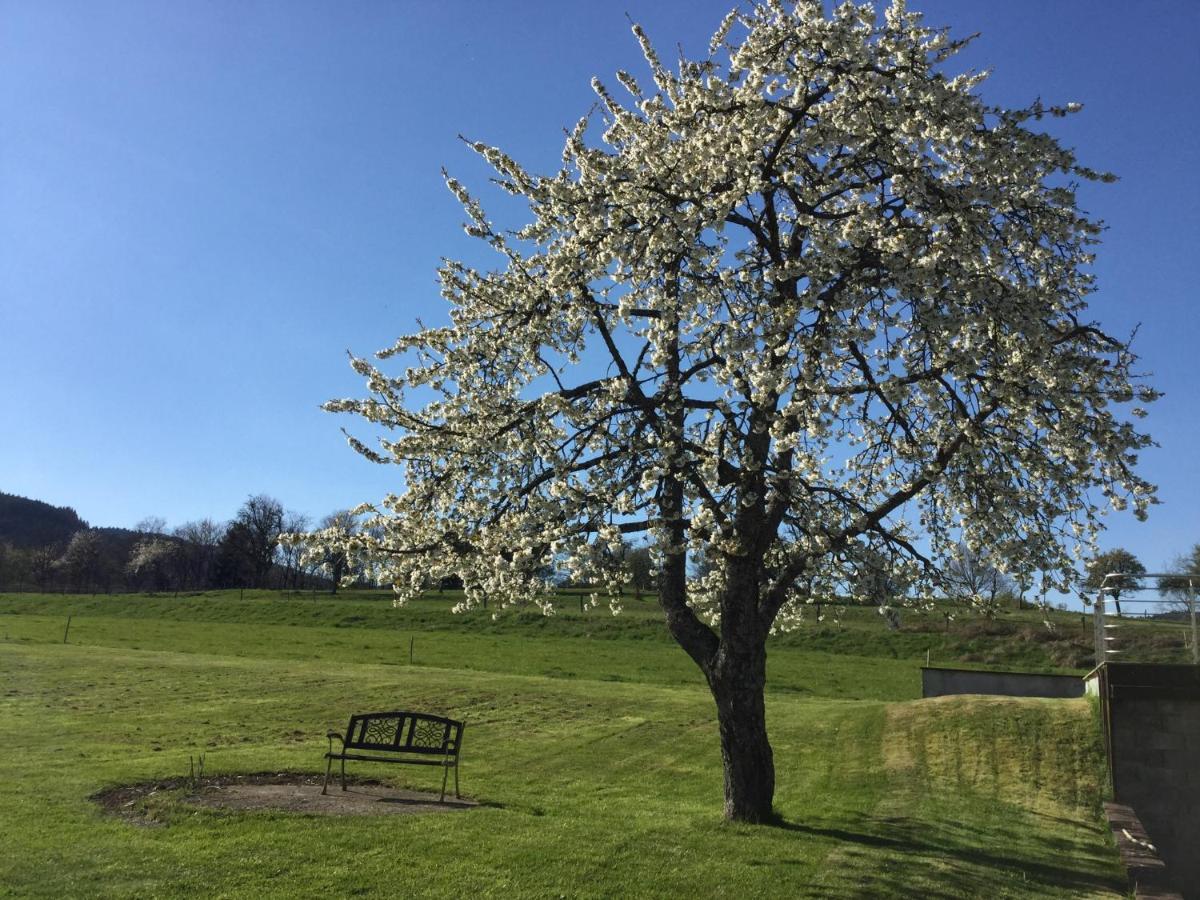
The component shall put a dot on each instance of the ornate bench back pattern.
(404, 732)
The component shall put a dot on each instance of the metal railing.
(1118, 584)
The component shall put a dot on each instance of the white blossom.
(810, 303)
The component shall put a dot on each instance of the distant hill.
(29, 523)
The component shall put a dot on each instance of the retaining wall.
(1151, 717)
(938, 682)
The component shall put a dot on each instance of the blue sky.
(203, 205)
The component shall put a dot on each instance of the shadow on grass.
(880, 856)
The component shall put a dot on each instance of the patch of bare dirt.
(144, 803)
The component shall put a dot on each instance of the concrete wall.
(1152, 729)
(937, 682)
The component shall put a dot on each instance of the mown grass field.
(591, 744)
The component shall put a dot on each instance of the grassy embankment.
(591, 742)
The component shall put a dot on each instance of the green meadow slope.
(593, 753)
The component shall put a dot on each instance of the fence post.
(1192, 613)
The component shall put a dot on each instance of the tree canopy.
(800, 306)
(1118, 562)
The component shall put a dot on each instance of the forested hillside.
(50, 548)
(29, 523)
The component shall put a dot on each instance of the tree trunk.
(737, 680)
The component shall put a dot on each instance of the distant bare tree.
(233, 566)
(198, 551)
(969, 574)
(291, 552)
(640, 564)
(1178, 586)
(10, 561)
(261, 518)
(42, 564)
(337, 529)
(152, 525)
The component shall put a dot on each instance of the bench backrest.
(404, 732)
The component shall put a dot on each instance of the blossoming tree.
(804, 303)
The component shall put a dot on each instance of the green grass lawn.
(1015, 639)
(591, 743)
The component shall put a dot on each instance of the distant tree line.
(47, 548)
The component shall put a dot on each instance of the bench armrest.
(334, 734)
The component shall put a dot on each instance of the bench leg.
(445, 775)
(457, 795)
(343, 773)
(328, 766)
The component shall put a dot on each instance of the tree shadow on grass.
(888, 856)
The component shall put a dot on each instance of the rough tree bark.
(737, 680)
(735, 667)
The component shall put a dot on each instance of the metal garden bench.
(399, 737)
